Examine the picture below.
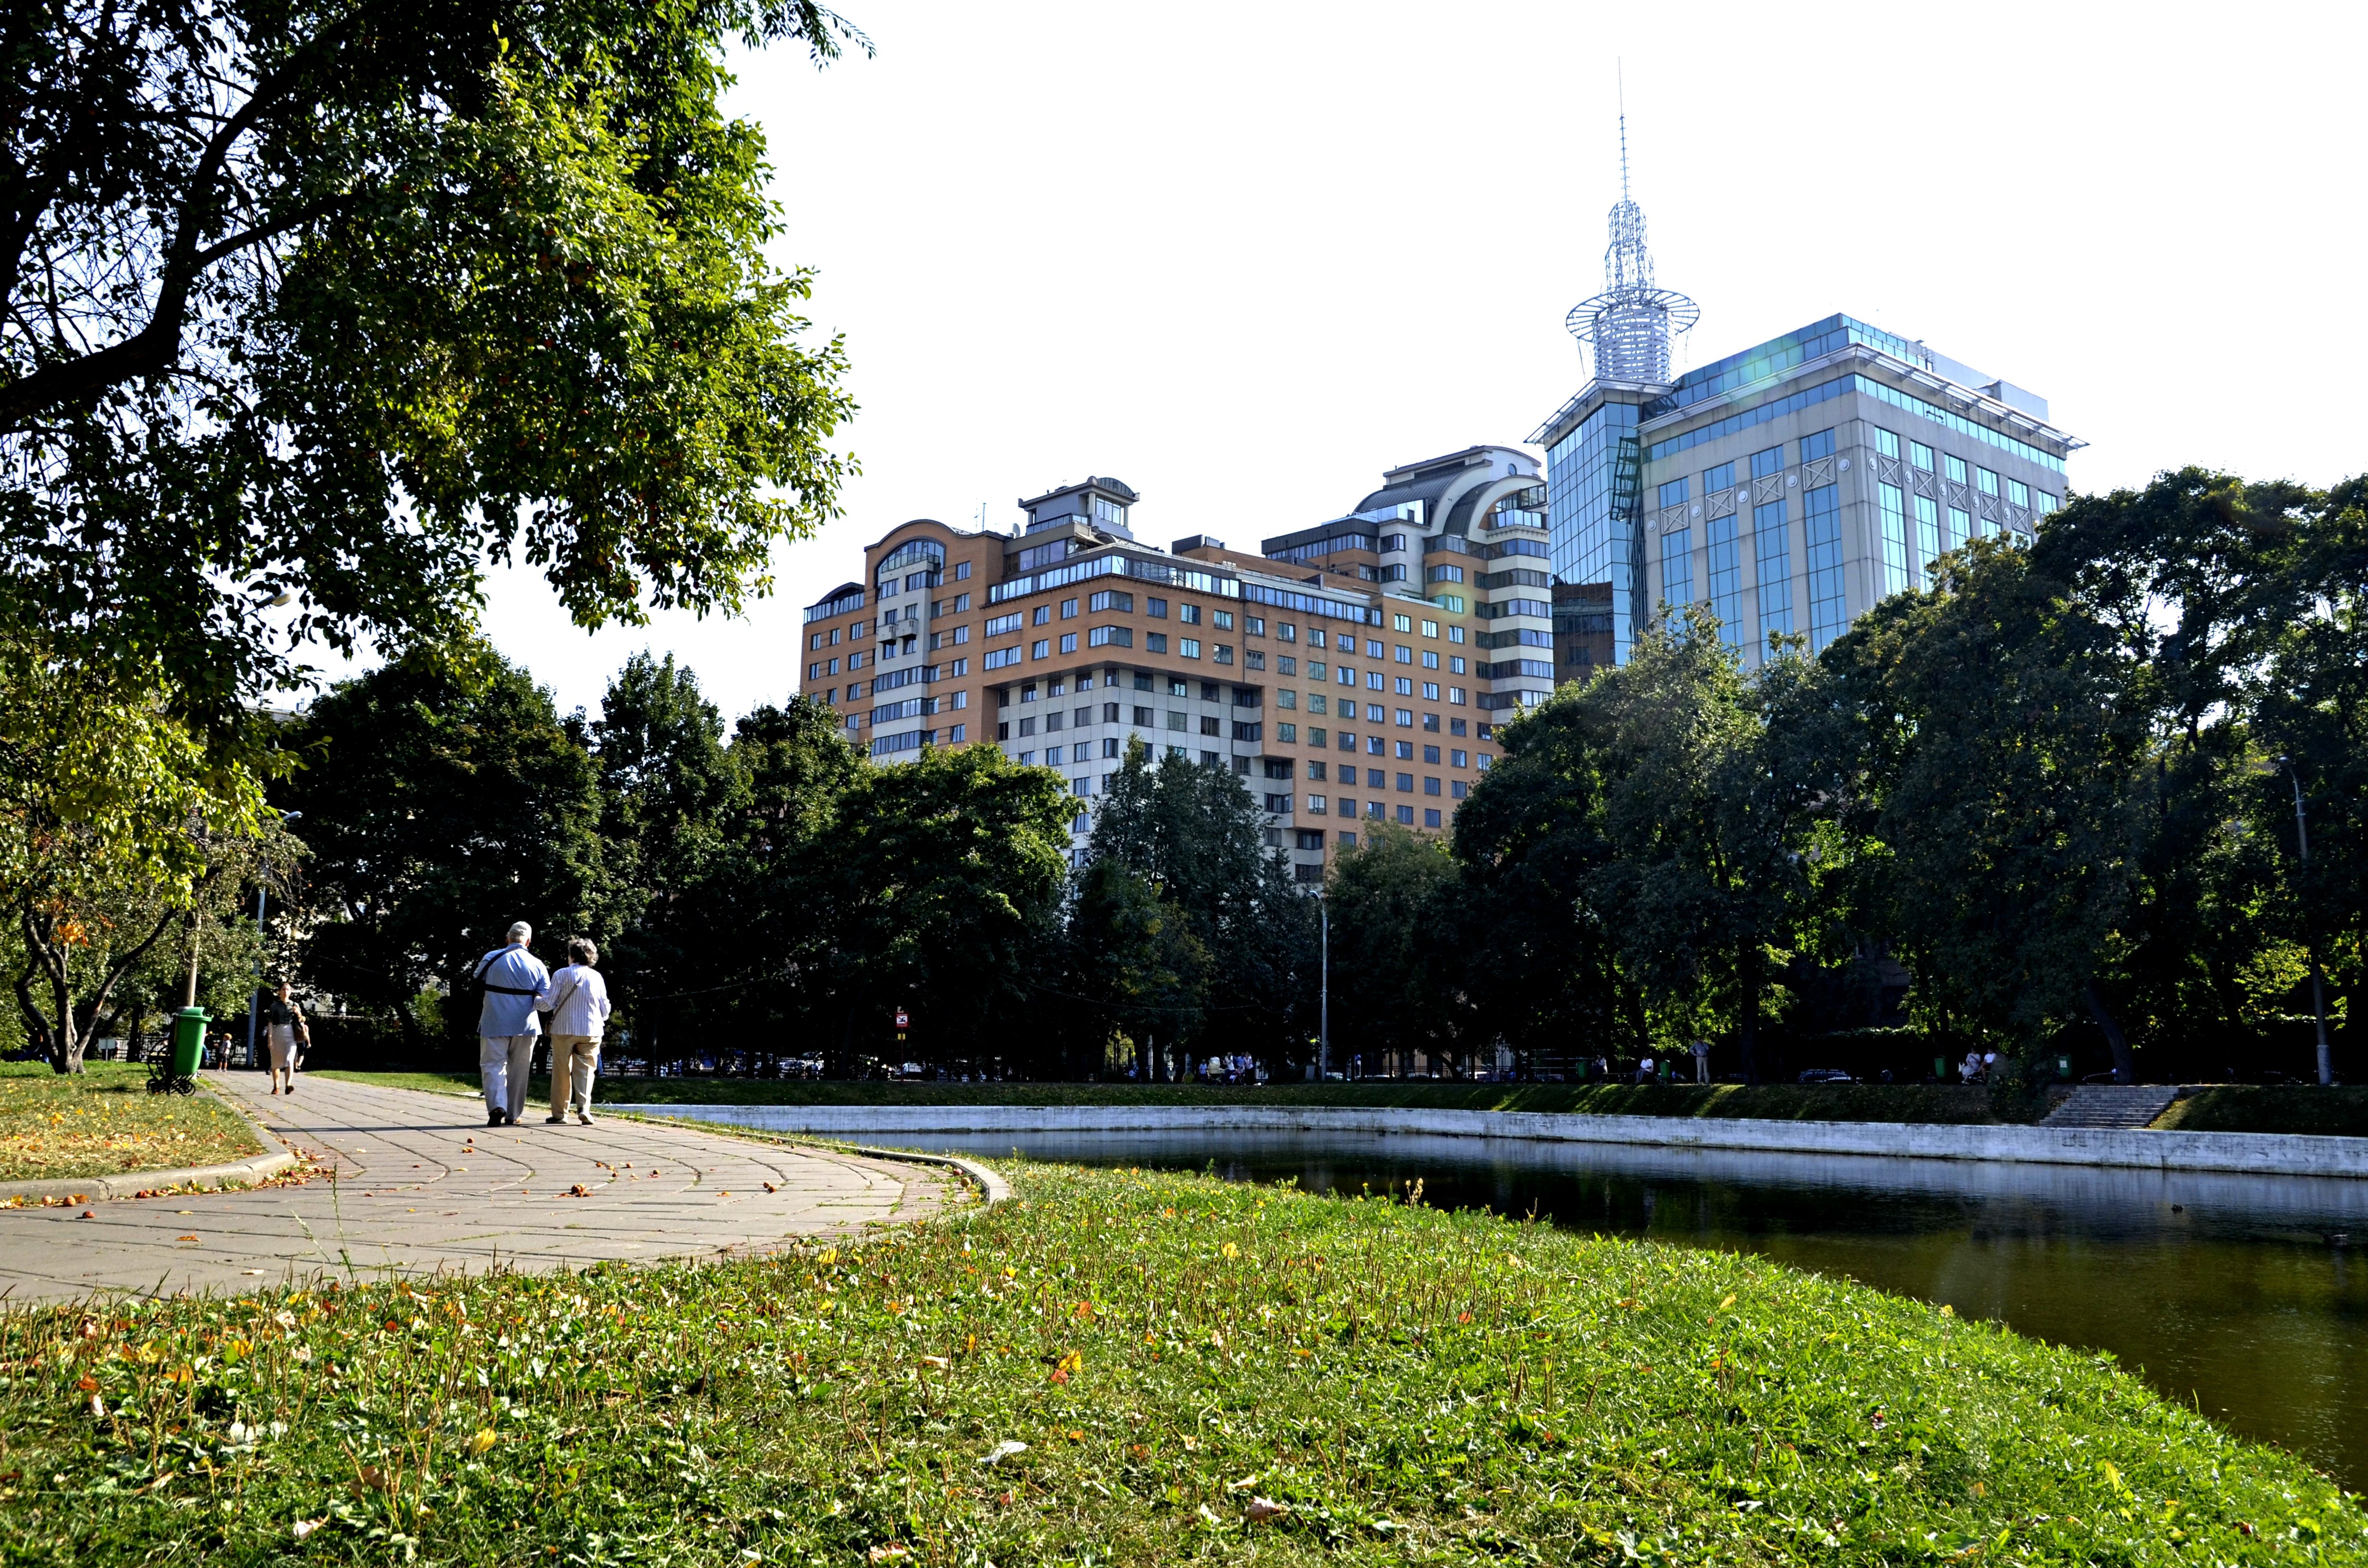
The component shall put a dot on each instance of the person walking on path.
(513, 980)
(579, 1000)
(284, 1028)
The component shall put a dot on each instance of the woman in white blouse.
(577, 1001)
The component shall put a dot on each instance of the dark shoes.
(496, 1119)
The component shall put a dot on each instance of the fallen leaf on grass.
(940, 1362)
(1267, 1508)
(303, 1528)
(891, 1553)
(1004, 1450)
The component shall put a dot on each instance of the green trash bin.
(189, 1040)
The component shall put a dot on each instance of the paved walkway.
(423, 1185)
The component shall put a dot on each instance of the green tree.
(1192, 831)
(668, 788)
(1398, 980)
(1704, 785)
(1132, 961)
(114, 824)
(1529, 840)
(442, 798)
(332, 304)
(938, 889)
(2008, 747)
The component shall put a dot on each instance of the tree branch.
(153, 349)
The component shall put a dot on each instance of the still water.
(2246, 1296)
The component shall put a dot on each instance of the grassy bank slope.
(1809, 1102)
(2341, 1112)
(1411, 1386)
(104, 1121)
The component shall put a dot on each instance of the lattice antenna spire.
(1629, 327)
(1619, 78)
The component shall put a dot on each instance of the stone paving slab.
(422, 1186)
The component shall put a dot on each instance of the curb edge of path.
(992, 1188)
(276, 1157)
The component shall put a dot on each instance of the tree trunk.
(1746, 987)
(2126, 1062)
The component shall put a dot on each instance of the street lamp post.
(1324, 1000)
(2318, 974)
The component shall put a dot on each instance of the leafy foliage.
(337, 302)
(442, 798)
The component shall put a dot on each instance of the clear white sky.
(1246, 257)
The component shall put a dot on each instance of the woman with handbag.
(579, 1000)
(284, 1026)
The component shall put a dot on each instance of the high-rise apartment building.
(1789, 487)
(1350, 673)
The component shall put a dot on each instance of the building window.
(1820, 445)
(1068, 642)
(1041, 615)
(2016, 493)
(1372, 680)
(1726, 579)
(1920, 455)
(1456, 697)
(1430, 815)
(1403, 653)
(1210, 726)
(1891, 504)
(1286, 733)
(1188, 647)
(1404, 717)
(1110, 746)
(1455, 634)
(1155, 641)
(997, 658)
(1458, 789)
(1189, 613)
(996, 625)
(1771, 545)
(1955, 467)
(1176, 720)
(1985, 482)
(1887, 442)
(1961, 524)
(1110, 600)
(1822, 528)
(1677, 571)
(1430, 628)
(1156, 608)
(958, 734)
(1928, 544)
(1673, 492)
(1224, 652)
(1768, 463)
(1041, 649)
(1403, 686)
(1406, 816)
(1110, 637)
(1719, 478)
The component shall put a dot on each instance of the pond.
(2243, 1296)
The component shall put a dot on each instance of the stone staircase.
(2112, 1105)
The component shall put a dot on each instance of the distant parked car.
(1826, 1075)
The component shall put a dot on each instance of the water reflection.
(2240, 1294)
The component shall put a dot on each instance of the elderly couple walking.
(518, 987)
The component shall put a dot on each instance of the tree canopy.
(325, 305)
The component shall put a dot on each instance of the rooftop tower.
(1629, 327)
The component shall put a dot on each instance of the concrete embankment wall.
(2250, 1153)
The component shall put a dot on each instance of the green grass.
(103, 1121)
(2283, 1108)
(1839, 1102)
(1413, 1386)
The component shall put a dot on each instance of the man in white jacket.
(577, 1000)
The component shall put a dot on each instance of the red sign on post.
(902, 1022)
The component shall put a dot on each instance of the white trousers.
(504, 1062)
